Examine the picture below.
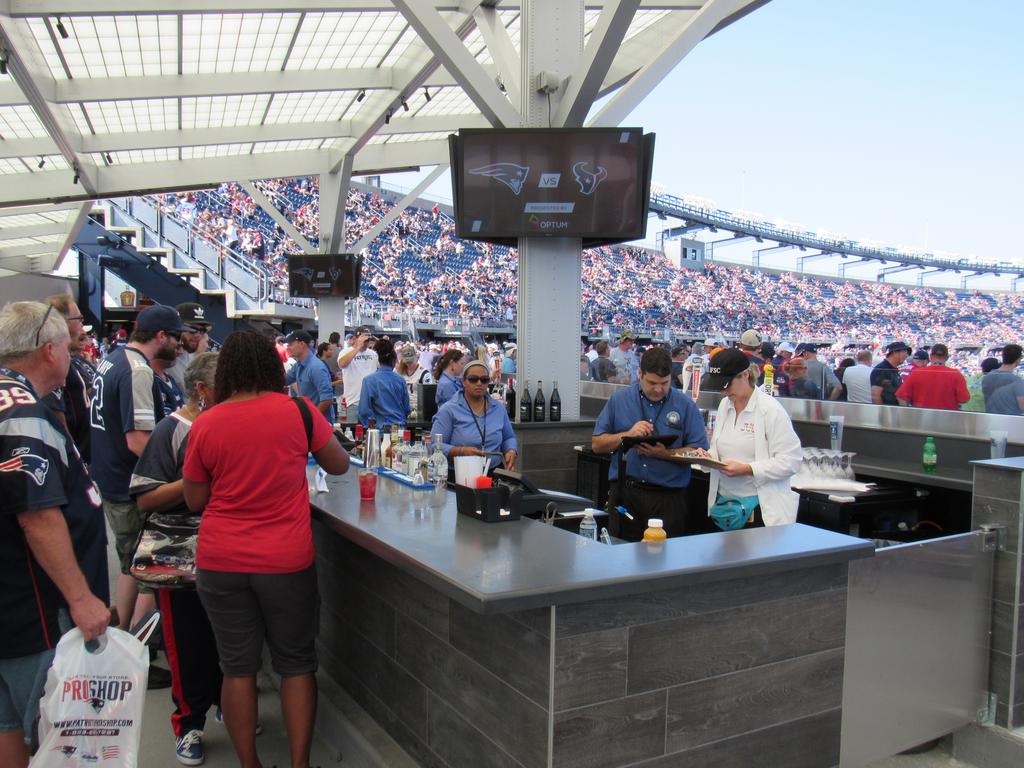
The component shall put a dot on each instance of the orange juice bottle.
(655, 530)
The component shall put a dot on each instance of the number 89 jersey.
(40, 468)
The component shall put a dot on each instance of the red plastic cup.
(367, 485)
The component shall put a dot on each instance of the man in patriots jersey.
(53, 567)
(125, 409)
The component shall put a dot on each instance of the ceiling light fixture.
(361, 96)
(3, 62)
(108, 158)
(426, 93)
(41, 163)
(76, 175)
(62, 30)
(405, 105)
(387, 118)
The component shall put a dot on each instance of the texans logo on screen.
(588, 181)
(34, 466)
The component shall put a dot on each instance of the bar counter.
(520, 644)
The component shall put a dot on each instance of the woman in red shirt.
(246, 470)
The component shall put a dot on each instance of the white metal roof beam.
(124, 180)
(449, 49)
(397, 210)
(27, 67)
(334, 186)
(699, 26)
(33, 230)
(282, 221)
(412, 154)
(335, 129)
(502, 51)
(37, 8)
(27, 250)
(224, 84)
(73, 225)
(604, 42)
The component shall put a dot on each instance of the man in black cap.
(357, 361)
(885, 377)
(310, 376)
(194, 339)
(124, 412)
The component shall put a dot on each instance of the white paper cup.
(998, 437)
(468, 468)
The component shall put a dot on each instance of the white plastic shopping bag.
(91, 710)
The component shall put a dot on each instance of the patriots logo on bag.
(97, 703)
(34, 466)
(511, 175)
(65, 749)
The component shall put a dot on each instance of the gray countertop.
(500, 567)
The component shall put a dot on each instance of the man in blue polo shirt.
(385, 395)
(310, 375)
(653, 486)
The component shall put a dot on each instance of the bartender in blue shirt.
(310, 376)
(473, 423)
(652, 487)
(385, 396)
(447, 371)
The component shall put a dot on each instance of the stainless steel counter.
(500, 567)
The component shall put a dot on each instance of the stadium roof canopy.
(103, 98)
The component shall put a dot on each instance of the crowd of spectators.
(418, 264)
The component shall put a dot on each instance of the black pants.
(192, 656)
(644, 502)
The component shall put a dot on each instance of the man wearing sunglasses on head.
(125, 409)
(195, 339)
(70, 403)
(474, 424)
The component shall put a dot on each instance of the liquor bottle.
(401, 458)
(358, 448)
(525, 405)
(769, 379)
(415, 460)
(510, 399)
(556, 404)
(929, 457)
(343, 413)
(388, 447)
(438, 463)
(539, 404)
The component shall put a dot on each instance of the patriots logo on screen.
(21, 460)
(588, 180)
(305, 272)
(511, 175)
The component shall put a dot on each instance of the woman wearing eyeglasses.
(474, 424)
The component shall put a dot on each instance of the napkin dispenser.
(491, 505)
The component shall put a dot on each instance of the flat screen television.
(332, 274)
(591, 183)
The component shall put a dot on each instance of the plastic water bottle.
(588, 526)
(929, 457)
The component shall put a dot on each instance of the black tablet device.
(666, 440)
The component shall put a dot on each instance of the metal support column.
(333, 193)
(548, 324)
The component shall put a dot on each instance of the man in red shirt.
(935, 386)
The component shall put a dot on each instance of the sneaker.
(189, 749)
(218, 716)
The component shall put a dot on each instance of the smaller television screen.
(332, 274)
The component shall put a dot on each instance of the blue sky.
(892, 120)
